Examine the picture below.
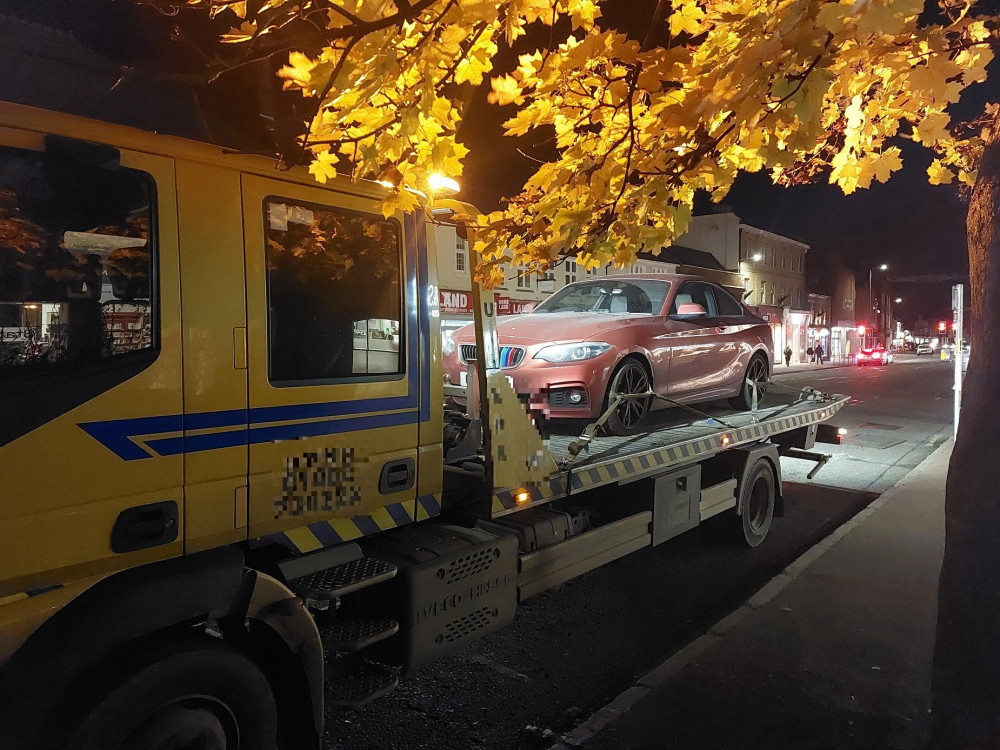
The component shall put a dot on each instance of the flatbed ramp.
(675, 441)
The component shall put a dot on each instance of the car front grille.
(510, 356)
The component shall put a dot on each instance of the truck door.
(90, 360)
(334, 364)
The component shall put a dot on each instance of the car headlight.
(559, 353)
(447, 343)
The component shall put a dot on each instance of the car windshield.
(609, 296)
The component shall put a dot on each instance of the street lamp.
(883, 267)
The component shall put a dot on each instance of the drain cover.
(877, 426)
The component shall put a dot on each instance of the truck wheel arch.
(126, 610)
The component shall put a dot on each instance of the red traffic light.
(861, 330)
(954, 325)
(942, 326)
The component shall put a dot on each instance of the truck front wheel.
(756, 504)
(207, 696)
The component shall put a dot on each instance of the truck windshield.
(642, 296)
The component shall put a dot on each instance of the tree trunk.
(966, 681)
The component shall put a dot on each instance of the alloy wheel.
(631, 378)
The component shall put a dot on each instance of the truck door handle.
(145, 526)
(397, 476)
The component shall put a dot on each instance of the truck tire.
(757, 372)
(756, 504)
(631, 376)
(205, 696)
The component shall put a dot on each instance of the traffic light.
(861, 330)
(954, 325)
(942, 326)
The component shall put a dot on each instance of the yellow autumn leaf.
(584, 13)
(687, 18)
(886, 163)
(505, 90)
(939, 174)
(932, 128)
(323, 166)
(298, 72)
(244, 33)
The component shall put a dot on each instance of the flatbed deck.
(677, 438)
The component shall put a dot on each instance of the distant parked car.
(924, 349)
(874, 356)
(679, 336)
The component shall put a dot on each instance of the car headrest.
(691, 308)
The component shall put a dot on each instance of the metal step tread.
(354, 635)
(368, 681)
(343, 579)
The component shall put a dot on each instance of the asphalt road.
(571, 651)
(897, 416)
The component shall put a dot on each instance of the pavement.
(799, 367)
(834, 652)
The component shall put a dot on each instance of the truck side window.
(76, 265)
(334, 293)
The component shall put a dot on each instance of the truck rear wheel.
(206, 697)
(757, 504)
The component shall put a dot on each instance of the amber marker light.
(522, 497)
(725, 440)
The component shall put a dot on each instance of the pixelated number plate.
(463, 379)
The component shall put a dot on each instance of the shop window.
(77, 289)
(334, 280)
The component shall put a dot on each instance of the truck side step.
(368, 681)
(342, 579)
(353, 635)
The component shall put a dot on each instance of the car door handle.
(721, 327)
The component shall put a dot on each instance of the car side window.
(694, 293)
(725, 303)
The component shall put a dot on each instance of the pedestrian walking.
(788, 356)
(819, 353)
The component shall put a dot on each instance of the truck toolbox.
(454, 585)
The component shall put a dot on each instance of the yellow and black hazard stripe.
(610, 472)
(333, 531)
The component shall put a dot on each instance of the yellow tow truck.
(230, 492)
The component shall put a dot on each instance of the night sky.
(914, 227)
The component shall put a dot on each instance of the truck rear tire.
(207, 696)
(756, 503)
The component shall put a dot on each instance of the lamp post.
(871, 307)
